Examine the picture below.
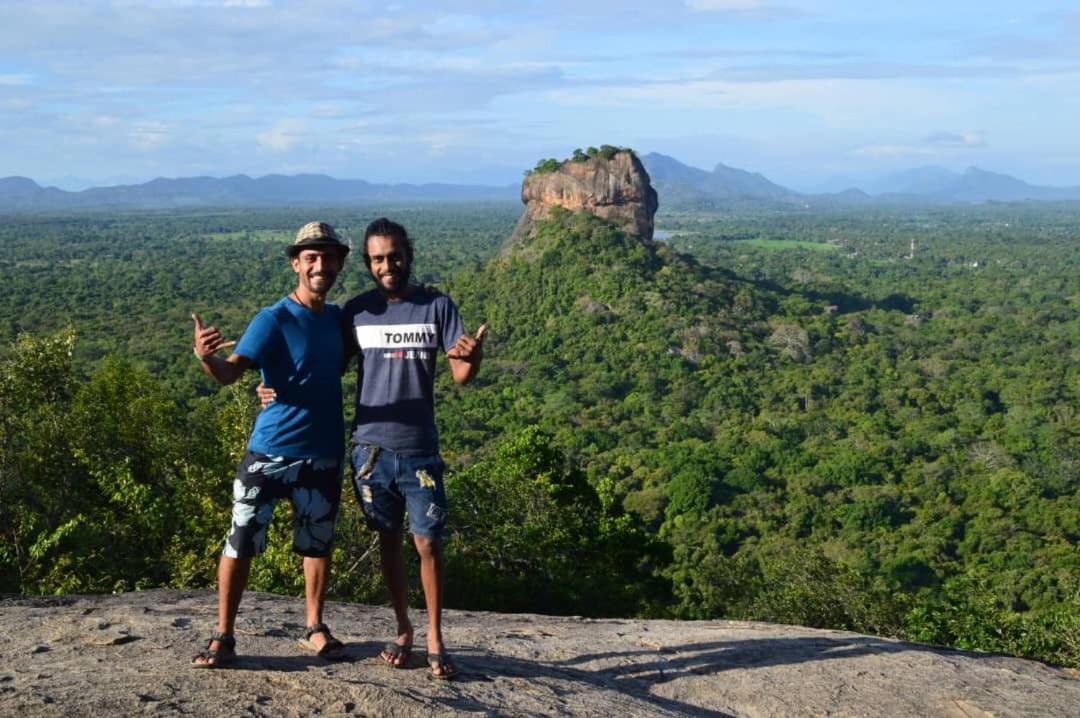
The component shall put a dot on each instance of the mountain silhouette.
(20, 193)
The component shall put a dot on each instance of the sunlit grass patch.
(781, 244)
(252, 235)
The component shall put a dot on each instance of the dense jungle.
(861, 419)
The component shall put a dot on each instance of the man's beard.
(401, 276)
(322, 283)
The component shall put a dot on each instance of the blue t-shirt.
(299, 354)
(399, 343)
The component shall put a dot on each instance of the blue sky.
(810, 94)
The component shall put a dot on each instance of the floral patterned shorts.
(312, 486)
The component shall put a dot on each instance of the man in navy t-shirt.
(397, 332)
(295, 450)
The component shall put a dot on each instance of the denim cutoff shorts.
(389, 484)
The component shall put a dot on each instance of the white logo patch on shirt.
(397, 336)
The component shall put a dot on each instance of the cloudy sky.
(810, 94)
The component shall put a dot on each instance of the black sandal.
(396, 655)
(442, 663)
(333, 649)
(222, 656)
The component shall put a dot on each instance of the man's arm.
(348, 338)
(465, 356)
(208, 341)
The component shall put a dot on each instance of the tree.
(530, 534)
(792, 341)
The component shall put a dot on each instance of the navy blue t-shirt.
(399, 343)
(299, 353)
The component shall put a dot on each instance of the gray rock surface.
(128, 654)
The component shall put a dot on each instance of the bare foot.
(318, 640)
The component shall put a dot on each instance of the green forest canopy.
(551, 164)
(875, 437)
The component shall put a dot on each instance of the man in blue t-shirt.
(295, 450)
(396, 332)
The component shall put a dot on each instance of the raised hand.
(469, 349)
(208, 340)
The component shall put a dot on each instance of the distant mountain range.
(22, 194)
(678, 184)
(937, 184)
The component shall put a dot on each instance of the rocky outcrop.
(617, 190)
(128, 654)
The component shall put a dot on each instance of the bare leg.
(393, 568)
(232, 578)
(430, 551)
(316, 573)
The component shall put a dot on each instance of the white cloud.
(91, 83)
(148, 136)
(105, 121)
(892, 151)
(837, 103)
(328, 111)
(283, 136)
(168, 4)
(956, 140)
(437, 143)
(15, 105)
(723, 5)
(934, 144)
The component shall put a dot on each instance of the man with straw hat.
(295, 450)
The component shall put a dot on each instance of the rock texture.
(128, 654)
(617, 190)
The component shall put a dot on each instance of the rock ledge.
(128, 654)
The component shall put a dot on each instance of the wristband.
(195, 351)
